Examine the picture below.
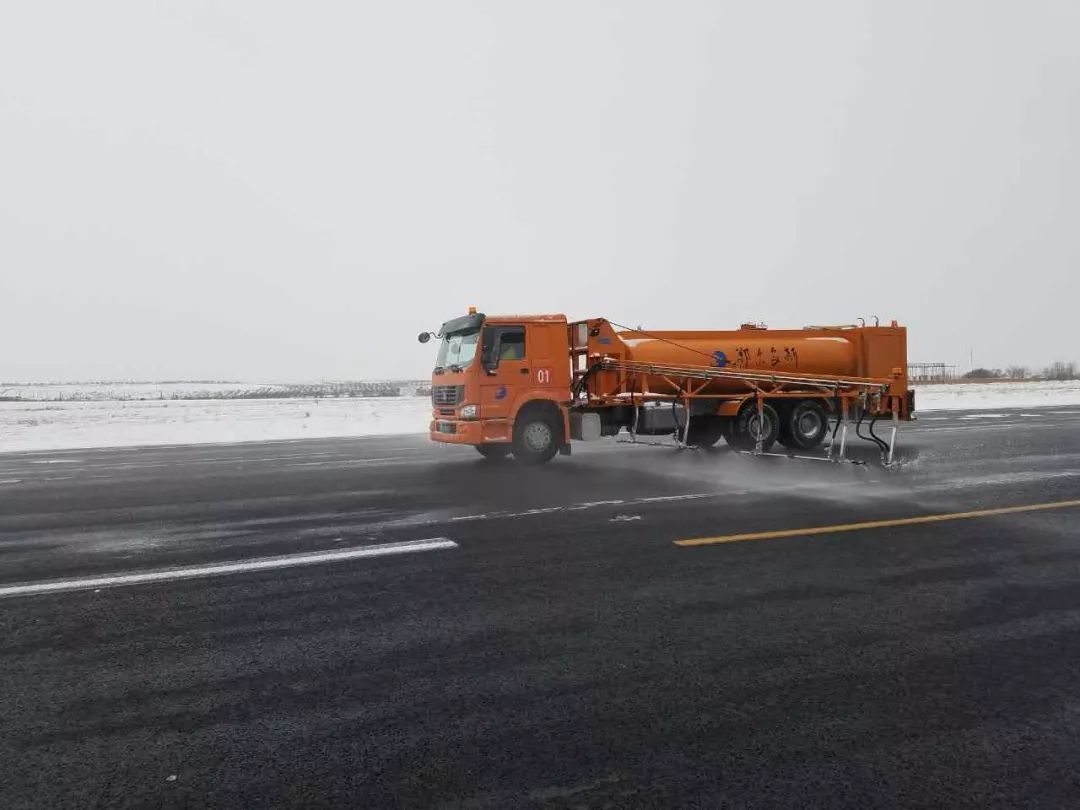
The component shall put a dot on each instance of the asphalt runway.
(382, 622)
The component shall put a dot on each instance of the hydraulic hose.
(580, 384)
(872, 437)
(837, 407)
(675, 412)
(881, 442)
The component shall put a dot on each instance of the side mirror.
(424, 337)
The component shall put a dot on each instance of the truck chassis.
(846, 397)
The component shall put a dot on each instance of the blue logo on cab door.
(501, 393)
(719, 359)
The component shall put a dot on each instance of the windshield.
(458, 349)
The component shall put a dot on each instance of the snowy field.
(980, 396)
(66, 425)
(73, 424)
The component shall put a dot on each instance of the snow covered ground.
(67, 425)
(980, 396)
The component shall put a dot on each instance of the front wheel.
(493, 452)
(536, 438)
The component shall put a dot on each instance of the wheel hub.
(754, 427)
(537, 437)
(809, 425)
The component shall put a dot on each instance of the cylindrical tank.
(806, 351)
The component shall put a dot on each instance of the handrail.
(826, 381)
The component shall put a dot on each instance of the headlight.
(469, 412)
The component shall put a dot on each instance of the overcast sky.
(269, 190)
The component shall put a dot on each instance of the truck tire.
(805, 425)
(783, 435)
(705, 431)
(493, 452)
(741, 434)
(537, 436)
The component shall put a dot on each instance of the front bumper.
(480, 431)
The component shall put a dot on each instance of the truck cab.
(502, 384)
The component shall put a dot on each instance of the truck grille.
(447, 394)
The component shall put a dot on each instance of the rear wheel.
(783, 435)
(493, 452)
(536, 437)
(705, 431)
(805, 425)
(743, 431)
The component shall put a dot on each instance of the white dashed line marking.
(221, 569)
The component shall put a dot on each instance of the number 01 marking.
(543, 376)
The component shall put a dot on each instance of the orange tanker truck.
(529, 384)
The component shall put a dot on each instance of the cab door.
(505, 370)
(549, 358)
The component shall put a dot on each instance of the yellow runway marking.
(875, 524)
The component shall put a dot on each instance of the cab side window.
(512, 344)
(503, 343)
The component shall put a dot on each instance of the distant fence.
(341, 389)
(930, 372)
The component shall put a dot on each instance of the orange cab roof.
(518, 318)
